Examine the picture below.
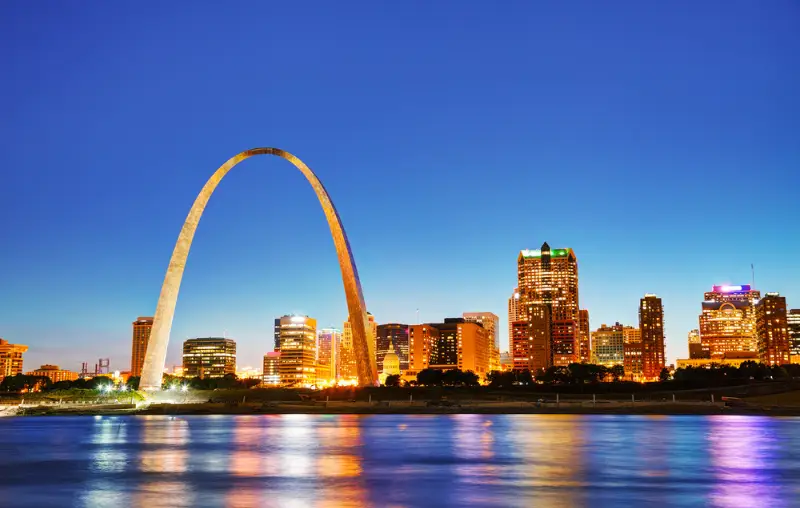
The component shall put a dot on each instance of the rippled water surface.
(459, 460)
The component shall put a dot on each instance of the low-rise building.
(54, 373)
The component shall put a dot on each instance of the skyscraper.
(585, 335)
(10, 358)
(453, 344)
(392, 335)
(530, 340)
(347, 358)
(727, 323)
(491, 324)
(209, 357)
(328, 340)
(793, 325)
(141, 336)
(512, 312)
(651, 324)
(772, 330)
(298, 341)
(696, 350)
(550, 277)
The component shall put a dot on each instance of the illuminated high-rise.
(530, 340)
(209, 357)
(10, 358)
(793, 325)
(512, 312)
(585, 337)
(651, 324)
(491, 324)
(271, 373)
(632, 339)
(454, 344)
(728, 322)
(696, 350)
(298, 340)
(550, 277)
(347, 358)
(141, 336)
(772, 330)
(392, 336)
(328, 340)
(609, 345)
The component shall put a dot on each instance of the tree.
(469, 378)
(525, 377)
(664, 375)
(617, 372)
(452, 377)
(133, 383)
(429, 377)
(392, 380)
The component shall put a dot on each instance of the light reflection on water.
(458, 460)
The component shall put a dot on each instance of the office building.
(54, 373)
(530, 340)
(209, 357)
(141, 336)
(453, 344)
(584, 337)
(550, 277)
(271, 372)
(392, 336)
(651, 325)
(632, 340)
(328, 340)
(793, 326)
(491, 324)
(512, 312)
(506, 361)
(347, 358)
(298, 360)
(727, 322)
(10, 358)
(277, 335)
(696, 350)
(772, 330)
(609, 345)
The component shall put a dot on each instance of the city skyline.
(659, 148)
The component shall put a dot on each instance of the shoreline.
(405, 408)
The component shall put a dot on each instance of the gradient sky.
(661, 141)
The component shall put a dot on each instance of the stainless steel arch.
(159, 336)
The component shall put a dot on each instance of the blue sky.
(660, 141)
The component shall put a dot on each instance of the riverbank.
(417, 408)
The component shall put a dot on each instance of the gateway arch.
(159, 336)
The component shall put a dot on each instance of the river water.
(403, 460)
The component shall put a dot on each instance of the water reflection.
(458, 460)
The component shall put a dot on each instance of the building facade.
(347, 357)
(772, 330)
(550, 277)
(491, 325)
(271, 371)
(727, 322)
(651, 324)
(328, 340)
(696, 345)
(793, 326)
(10, 358)
(298, 360)
(209, 357)
(453, 344)
(54, 373)
(512, 312)
(141, 336)
(392, 336)
(632, 339)
(609, 345)
(585, 337)
(530, 340)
